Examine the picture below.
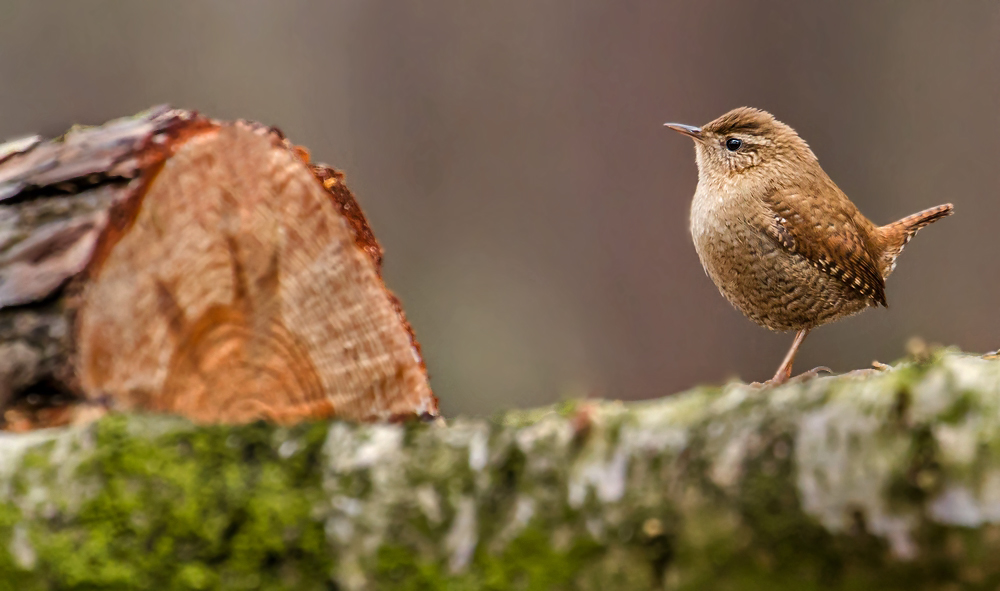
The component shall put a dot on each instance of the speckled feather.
(781, 241)
(832, 239)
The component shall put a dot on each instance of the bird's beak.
(688, 130)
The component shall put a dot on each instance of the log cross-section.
(216, 274)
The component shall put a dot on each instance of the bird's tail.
(897, 234)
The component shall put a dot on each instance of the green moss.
(212, 508)
(730, 488)
(959, 409)
(528, 563)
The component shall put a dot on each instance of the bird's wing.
(829, 238)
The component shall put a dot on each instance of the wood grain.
(221, 277)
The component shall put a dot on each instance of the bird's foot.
(808, 375)
(992, 355)
(879, 366)
(802, 377)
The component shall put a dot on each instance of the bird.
(778, 237)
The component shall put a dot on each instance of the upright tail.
(897, 234)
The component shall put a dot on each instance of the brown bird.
(781, 241)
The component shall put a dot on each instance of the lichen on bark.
(885, 480)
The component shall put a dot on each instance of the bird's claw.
(802, 377)
(812, 373)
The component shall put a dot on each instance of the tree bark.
(879, 480)
(174, 263)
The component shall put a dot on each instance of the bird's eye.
(733, 144)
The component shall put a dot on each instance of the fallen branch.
(886, 480)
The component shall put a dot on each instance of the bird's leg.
(785, 371)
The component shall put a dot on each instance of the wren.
(778, 238)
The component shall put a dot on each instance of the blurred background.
(512, 161)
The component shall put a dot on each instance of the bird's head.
(744, 140)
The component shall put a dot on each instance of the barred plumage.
(781, 241)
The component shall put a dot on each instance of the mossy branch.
(886, 480)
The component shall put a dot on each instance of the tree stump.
(174, 263)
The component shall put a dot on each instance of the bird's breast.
(773, 287)
(717, 225)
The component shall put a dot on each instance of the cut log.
(173, 263)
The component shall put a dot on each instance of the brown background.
(511, 158)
